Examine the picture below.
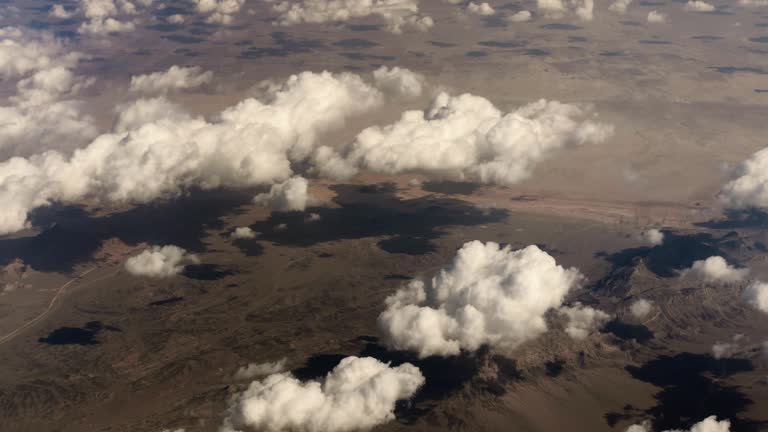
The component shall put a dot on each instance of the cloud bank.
(487, 295)
(158, 150)
(396, 14)
(358, 394)
(159, 262)
(466, 138)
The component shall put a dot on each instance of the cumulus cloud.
(749, 188)
(698, 6)
(620, 6)
(556, 9)
(756, 295)
(45, 111)
(397, 14)
(466, 138)
(709, 424)
(160, 155)
(715, 269)
(656, 17)
(358, 394)
(483, 9)
(218, 11)
(640, 308)
(399, 81)
(487, 295)
(175, 78)
(255, 370)
(109, 16)
(726, 349)
(652, 236)
(58, 11)
(290, 195)
(159, 262)
(243, 233)
(582, 320)
(520, 16)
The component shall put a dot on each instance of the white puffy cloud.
(243, 233)
(483, 9)
(652, 236)
(620, 6)
(520, 16)
(175, 78)
(709, 424)
(290, 195)
(698, 6)
(749, 188)
(396, 14)
(656, 17)
(358, 394)
(160, 155)
(219, 11)
(726, 349)
(487, 295)
(466, 138)
(640, 308)
(58, 11)
(159, 261)
(715, 269)
(556, 9)
(756, 295)
(255, 370)
(582, 320)
(109, 16)
(44, 112)
(399, 80)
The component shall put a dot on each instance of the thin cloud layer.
(396, 14)
(488, 295)
(749, 188)
(467, 138)
(358, 394)
(715, 269)
(158, 150)
(159, 262)
(175, 78)
(290, 195)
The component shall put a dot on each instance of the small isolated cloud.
(698, 6)
(399, 81)
(103, 17)
(358, 394)
(715, 270)
(726, 349)
(313, 217)
(487, 295)
(652, 236)
(175, 78)
(520, 16)
(483, 9)
(656, 17)
(709, 424)
(58, 11)
(640, 308)
(466, 138)
(218, 11)
(241, 233)
(290, 195)
(256, 370)
(583, 320)
(159, 262)
(620, 6)
(557, 9)
(396, 14)
(749, 188)
(756, 295)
